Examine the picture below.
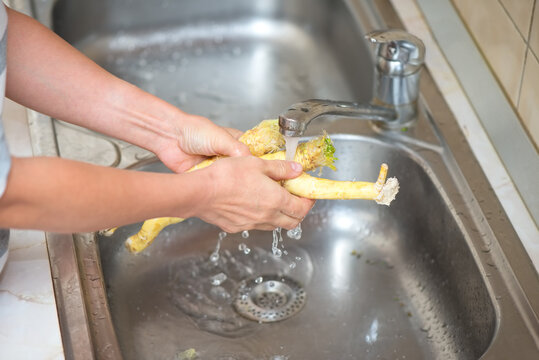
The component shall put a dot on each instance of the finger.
(278, 221)
(298, 207)
(281, 169)
(236, 134)
(263, 227)
(226, 144)
(184, 165)
(285, 222)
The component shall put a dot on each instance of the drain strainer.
(270, 298)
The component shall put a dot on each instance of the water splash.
(194, 289)
(277, 237)
(295, 233)
(214, 257)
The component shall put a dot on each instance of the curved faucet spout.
(399, 59)
(294, 121)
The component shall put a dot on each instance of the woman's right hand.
(244, 193)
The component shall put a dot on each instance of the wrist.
(143, 119)
(198, 187)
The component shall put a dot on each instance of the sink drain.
(270, 298)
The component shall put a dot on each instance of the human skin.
(47, 74)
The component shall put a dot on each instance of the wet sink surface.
(431, 276)
(378, 281)
(235, 62)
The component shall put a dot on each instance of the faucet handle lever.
(399, 46)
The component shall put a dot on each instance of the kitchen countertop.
(29, 326)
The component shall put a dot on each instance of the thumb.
(282, 170)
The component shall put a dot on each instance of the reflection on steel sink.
(439, 274)
(236, 61)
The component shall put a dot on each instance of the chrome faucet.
(399, 58)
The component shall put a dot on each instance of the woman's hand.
(193, 139)
(40, 76)
(243, 193)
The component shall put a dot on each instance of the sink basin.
(438, 274)
(378, 281)
(235, 62)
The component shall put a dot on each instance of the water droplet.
(292, 265)
(242, 247)
(219, 293)
(218, 279)
(295, 233)
(277, 237)
(259, 280)
(214, 257)
(245, 234)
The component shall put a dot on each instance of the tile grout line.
(513, 21)
(526, 54)
(536, 17)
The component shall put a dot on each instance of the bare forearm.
(66, 196)
(48, 75)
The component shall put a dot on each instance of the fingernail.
(296, 166)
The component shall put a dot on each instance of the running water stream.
(291, 144)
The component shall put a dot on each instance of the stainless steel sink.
(439, 274)
(378, 281)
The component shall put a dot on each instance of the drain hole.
(274, 298)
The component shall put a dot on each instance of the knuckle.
(266, 215)
(280, 203)
(292, 224)
(281, 168)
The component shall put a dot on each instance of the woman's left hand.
(196, 138)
